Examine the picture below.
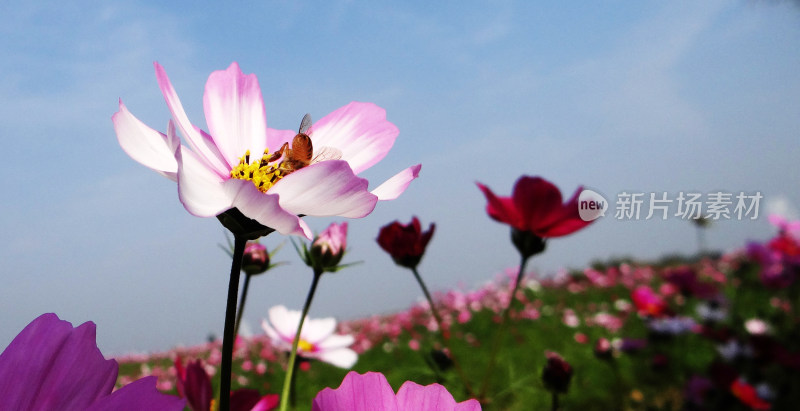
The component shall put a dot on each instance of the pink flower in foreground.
(371, 392)
(535, 206)
(52, 366)
(317, 339)
(239, 162)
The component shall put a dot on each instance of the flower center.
(305, 346)
(263, 173)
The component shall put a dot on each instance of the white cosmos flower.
(317, 339)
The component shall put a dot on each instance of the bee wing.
(305, 124)
(327, 153)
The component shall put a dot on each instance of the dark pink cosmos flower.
(371, 392)
(52, 366)
(536, 206)
(405, 242)
(557, 373)
(195, 384)
(647, 302)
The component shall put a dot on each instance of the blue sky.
(620, 96)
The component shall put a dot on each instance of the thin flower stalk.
(501, 330)
(228, 335)
(287, 381)
(444, 333)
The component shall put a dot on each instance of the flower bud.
(255, 259)
(557, 373)
(603, 349)
(328, 247)
(405, 242)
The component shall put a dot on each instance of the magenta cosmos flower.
(535, 206)
(52, 366)
(371, 392)
(238, 162)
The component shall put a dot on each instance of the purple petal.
(201, 143)
(368, 392)
(49, 365)
(145, 145)
(328, 188)
(393, 187)
(360, 131)
(434, 397)
(235, 113)
(139, 395)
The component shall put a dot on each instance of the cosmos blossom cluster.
(258, 180)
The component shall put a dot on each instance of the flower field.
(718, 332)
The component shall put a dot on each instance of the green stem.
(554, 402)
(444, 333)
(230, 316)
(287, 381)
(500, 330)
(242, 300)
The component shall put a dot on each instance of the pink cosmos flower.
(236, 163)
(317, 339)
(648, 302)
(52, 366)
(535, 206)
(372, 392)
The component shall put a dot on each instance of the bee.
(301, 152)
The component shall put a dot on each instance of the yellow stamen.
(305, 346)
(263, 174)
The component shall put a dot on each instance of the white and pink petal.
(203, 145)
(360, 131)
(150, 148)
(201, 191)
(234, 111)
(328, 188)
(340, 357)
(393, 187)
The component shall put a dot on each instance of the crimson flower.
(239, 167)
(52, 366)
(405, 242)
(536, 206)
(747, 394)
(557, 373)
(535, 212)
(195, 384)
(372, 392)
